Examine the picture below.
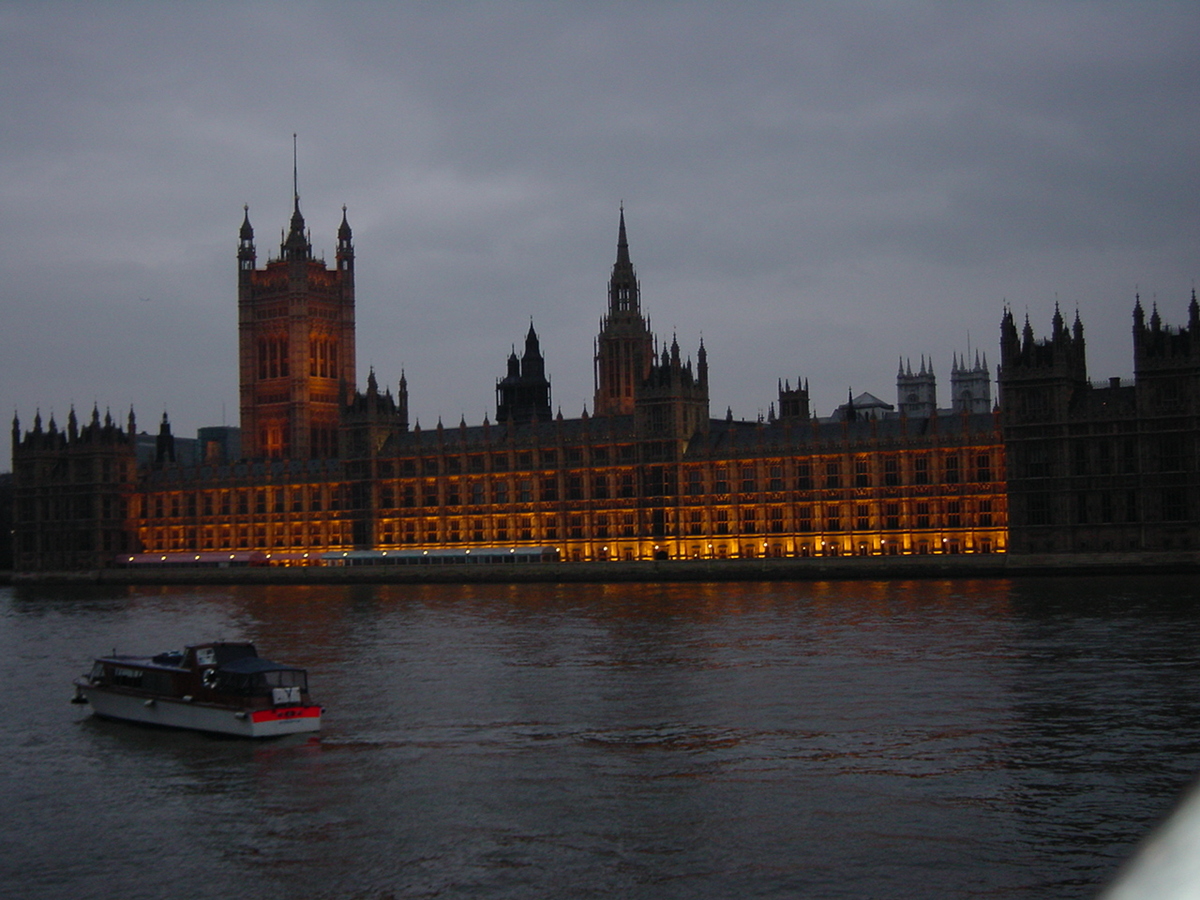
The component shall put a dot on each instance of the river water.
(998, 739)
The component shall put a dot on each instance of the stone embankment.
(996, 565)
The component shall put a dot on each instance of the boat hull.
(216, 719)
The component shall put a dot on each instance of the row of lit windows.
(246, 537)
(430, 494)
(861, 470)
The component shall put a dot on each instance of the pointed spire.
(296, 245)
(247, 232)
(622, 241)
(622, 285)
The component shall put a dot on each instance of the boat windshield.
(260, 683)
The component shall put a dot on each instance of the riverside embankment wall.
(766, 569)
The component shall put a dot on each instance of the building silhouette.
(327, 473)
(1108, 467)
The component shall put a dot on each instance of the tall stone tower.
(295, 343)
(1039, 380)
(970, 385)
(625, 347)
(523, 395)
(916, 395)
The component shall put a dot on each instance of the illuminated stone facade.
(651, 476)
(295, 345)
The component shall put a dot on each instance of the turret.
(345, 248)
(164, 443)
(246, 252)
(523, 395)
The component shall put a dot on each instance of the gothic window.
(775, 519)
(891, 513)
(600, 487)
(804, 476)
(833, 474)
(627, 484)
(921, 470)
(722, 521)
(721, 480)
(749, 484)
(891, 471)
(983, 468)
(862, 473)
(923, 515)
(776, 478)
(1037, 463)
(833, 518)
(695, 486)
(862, 517)
(952, 470)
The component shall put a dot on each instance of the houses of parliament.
(321, 471)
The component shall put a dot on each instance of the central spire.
(622, 242)
(296, 245)
(295, 174)
(623, 289)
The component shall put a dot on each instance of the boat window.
(127, 677)
(285, 678)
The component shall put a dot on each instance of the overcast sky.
(816, 189)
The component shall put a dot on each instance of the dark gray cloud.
(817, 189)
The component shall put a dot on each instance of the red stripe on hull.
(288, 712)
